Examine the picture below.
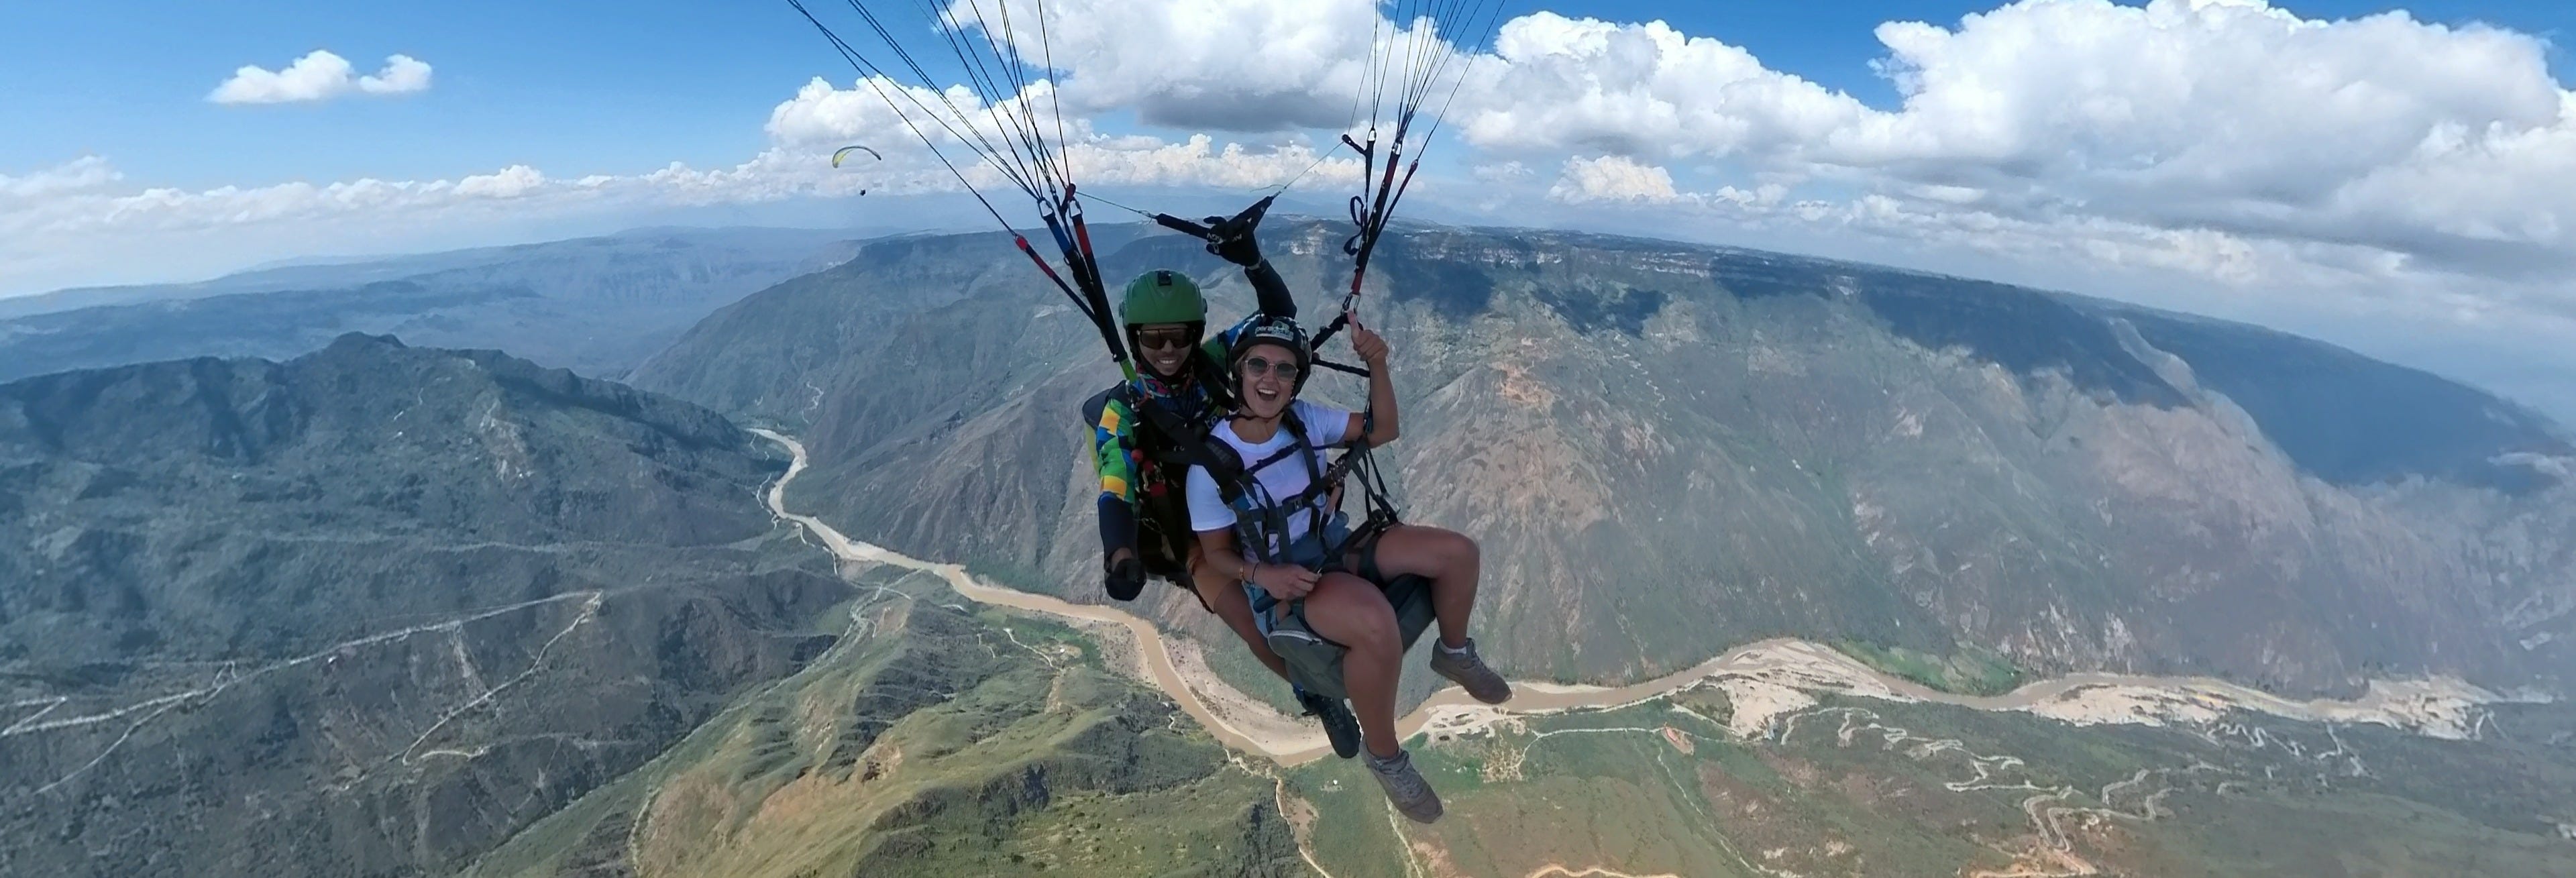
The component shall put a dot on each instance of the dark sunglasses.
(1165, 338)
(1253, 367)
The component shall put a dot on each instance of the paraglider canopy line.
(1021, 155)
(1096, 197)
(1427, 58)
(1030, 151)
(1019, 174)
(1011, 139)
(1310, 168)
(873, 76)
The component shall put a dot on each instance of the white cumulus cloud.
(2226, 155)
(511, 182)
(823, 117)
(1645, 90)
(80, 222)
(320, 76)
(1613, 178)
(1260, 65)
(2452, 148)
(87, 172)
(53, 220)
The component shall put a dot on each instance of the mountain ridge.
(370, 611)
(598, 305)
(1668, 448)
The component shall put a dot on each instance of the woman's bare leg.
(1350, 611)
(1449, 559)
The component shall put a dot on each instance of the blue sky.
(584, 86)
(2411, 192)
(572, 84)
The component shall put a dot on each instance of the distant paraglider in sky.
(844, 152)
(1409, 81)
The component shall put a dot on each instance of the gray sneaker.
(1470, 673)
(1405, 787)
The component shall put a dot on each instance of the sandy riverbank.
(1765, 680)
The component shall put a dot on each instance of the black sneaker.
(1339, 724)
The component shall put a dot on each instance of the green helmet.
(1163, 296)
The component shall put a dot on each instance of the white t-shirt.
(1325, 425)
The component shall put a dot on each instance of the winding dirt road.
(1787, 665)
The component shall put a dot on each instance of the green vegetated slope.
(390, 610)
(1967, 670)
(936, 738)
(1863, 787)
(1667, 450)
(367, 612)
(385, 610)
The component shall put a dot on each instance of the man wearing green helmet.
(1142, 435)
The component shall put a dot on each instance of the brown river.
(1796, 664)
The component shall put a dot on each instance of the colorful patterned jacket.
(1124, 443)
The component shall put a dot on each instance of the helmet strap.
(1210, 374)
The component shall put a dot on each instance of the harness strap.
(1265, 525)
(1273, 513)
(1187, 440)
(1275, 457)
(1363, 542)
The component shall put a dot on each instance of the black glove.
(1230, 238)
(1233, 241)
(1126, 579)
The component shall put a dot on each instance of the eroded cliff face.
(1667, 450)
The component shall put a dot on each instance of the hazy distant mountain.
(349, 271)
(1669, 449)
(393, 610)
(368, 612)
(595, 305)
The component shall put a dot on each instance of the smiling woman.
(1337, 606)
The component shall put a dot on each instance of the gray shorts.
(1315, 663)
